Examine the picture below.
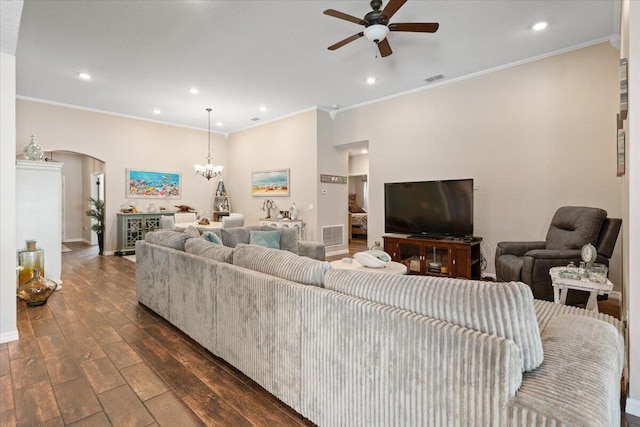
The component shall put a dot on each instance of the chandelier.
(208, 171)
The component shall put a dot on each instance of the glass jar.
(33, 151)
(376, 247)
(30, 258)
(37, 290)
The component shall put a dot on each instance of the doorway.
(83, 176)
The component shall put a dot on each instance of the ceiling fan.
(377, 25)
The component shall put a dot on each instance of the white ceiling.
(243, 54)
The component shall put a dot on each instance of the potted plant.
(97, 214)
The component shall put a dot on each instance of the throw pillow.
(211, 237)
(269, 239)
(192, 231)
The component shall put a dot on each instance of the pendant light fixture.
(208, 171)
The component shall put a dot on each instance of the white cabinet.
(297, 224)
(39, 211)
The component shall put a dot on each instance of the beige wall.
(8, 324)
(287, 143)
(359, 165)
(533, 137)
(631, 48)
(73, 205)
(332, 198)
(124, 143)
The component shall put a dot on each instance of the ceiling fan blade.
(384, 47)
(345, 41)
(418, 27)
(392, 7)
(340, 15)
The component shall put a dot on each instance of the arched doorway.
(83, 176)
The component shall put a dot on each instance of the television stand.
(426, 236)
(439, 256)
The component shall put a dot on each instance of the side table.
(561, 286)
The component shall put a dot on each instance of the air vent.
(333, 235)
(255, 119)
(434, 78)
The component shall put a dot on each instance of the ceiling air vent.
(255, 119)
(434, 78)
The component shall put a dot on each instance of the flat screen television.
(429, 208)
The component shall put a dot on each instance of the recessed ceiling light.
(157, 111)
(263, 108)
(539, 26)
(194, 90)
(364, 151)
(84, 76)
(371, 80)
(219, 124)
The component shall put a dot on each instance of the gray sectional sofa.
(348, 348)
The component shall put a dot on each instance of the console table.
(133, 227)
(296, 224)
(436, 257)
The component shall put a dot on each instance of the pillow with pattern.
(269, 239)
(192, 231)
(211, 237)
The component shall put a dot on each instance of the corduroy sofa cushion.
(168, 238)
(501, 309)
(210, 250)
(281, 264)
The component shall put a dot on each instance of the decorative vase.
(37, 290)
(151, 208)
(30, 259)
(293, 212)
(33, 151)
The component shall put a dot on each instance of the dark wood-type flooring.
(92, 356)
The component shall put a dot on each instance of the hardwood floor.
(92, 356)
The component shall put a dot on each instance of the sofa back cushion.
(210, 250)
(232, 237)
(501, 309)
(281, 264)
(168, 238)
(573, 227)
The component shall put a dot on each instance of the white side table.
(561, 286)
(391, 267)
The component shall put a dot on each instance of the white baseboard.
(632, 407)
(339, 252)
(73, 240)
(492, 275)
(615, 295)
(9, 336)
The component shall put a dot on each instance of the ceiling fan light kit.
(377, 26)
(376, 33)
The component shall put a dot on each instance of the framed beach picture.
(153, 184)
(271, 183)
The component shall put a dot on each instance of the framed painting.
(271, 183)
(153, 184)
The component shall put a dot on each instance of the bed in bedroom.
(357, 219)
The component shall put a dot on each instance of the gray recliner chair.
(571, 228)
